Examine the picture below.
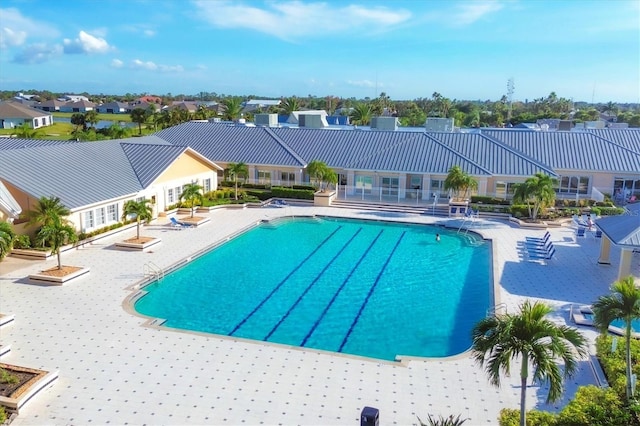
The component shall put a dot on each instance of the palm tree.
(78, 120)
(57, 233)
(320, 172)
(537, 191)
(237, 170)
(139, 115)
(6, 239)
(141, 209)
(289, 105)
(497, 340)
(459, 181)
(25, 131)
(191, 193)
(361, 114)
(46, 211)
(232, 109)
(622, 304)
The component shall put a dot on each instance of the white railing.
(150, 269)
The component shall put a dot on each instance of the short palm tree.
(191, 193)
(622, 304)
(57, 233)
(24, 131)
(6, 239)
(232, 108)
(238, 170)
(460, 182)
(321, 173)
(46, 211)
(361, 114)
(140, 209)
(537, 191)
(497, 340)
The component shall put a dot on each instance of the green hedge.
(22, 242)
(85, 235)
(490, 200)
(298, 194)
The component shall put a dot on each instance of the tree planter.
(195, 221)
(31, 381)
(31, 254)
(135, 243)
(54, 276)
(6, 319)
(323, 198)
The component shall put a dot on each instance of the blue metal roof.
(570, 150)
(228, 143)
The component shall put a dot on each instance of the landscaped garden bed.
(19, 384)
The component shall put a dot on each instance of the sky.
(584, 50)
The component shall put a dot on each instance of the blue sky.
(586, 50)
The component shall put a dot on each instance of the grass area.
(109, 117)
(57, 131)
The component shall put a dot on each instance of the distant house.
(73, 98)
(259, 104)
(141, 105)
(79, 106)
(13, 115)
(52, 105)
(112, 108)
(150, 100)
(184, 105)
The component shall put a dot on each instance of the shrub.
(3, 415)
(260, 195)
(519, 210)
(307, 187)
(22, 242)
(596, 210)
(594, 406)
(511, 417)
(299, 194)
(489, 200)
(611, 211)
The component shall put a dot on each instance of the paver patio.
(113, 370)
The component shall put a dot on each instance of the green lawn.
(109, 117)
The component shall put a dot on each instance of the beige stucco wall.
(184, 166)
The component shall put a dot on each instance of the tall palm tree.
(537, 191)
(57, 233)
(361, 114)
(232, 108)
(140, 209)
(622, 304)
(139, 115)
(321, 173)
(191, 193)
(497, 340)
(238, 170)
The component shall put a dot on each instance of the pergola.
(624, 232)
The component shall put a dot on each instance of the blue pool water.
(635, 324)
(366, 288)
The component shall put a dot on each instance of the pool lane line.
(375, 283)
(315, 280)
(344, 283)
(241, 323)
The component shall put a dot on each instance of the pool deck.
(114, 370)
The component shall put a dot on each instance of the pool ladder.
(496, 310)
(150, 269)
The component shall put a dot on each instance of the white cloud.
(470, 12)
(15, 29)
(149, 33)
(37, 53)
(117, 63)
(361, 83)
(86, 43)
(152, 66)
(290, 19)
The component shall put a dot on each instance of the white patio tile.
(115, 371)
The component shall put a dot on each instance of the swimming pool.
(370, 288)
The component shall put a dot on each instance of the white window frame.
(112, 213)
(170, 197)
(206, 185)
(89, 219)
(101, 217)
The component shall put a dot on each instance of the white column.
(625, 263)
(402, 186)
(605, 250)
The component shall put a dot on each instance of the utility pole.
(510, 89)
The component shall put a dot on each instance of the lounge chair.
(543, 240)
(580, 231)
(180, 225)
(539, 250)
(543, 256)
(598, 234)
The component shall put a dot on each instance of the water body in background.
(102, 124)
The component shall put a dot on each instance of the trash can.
(369, 417)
